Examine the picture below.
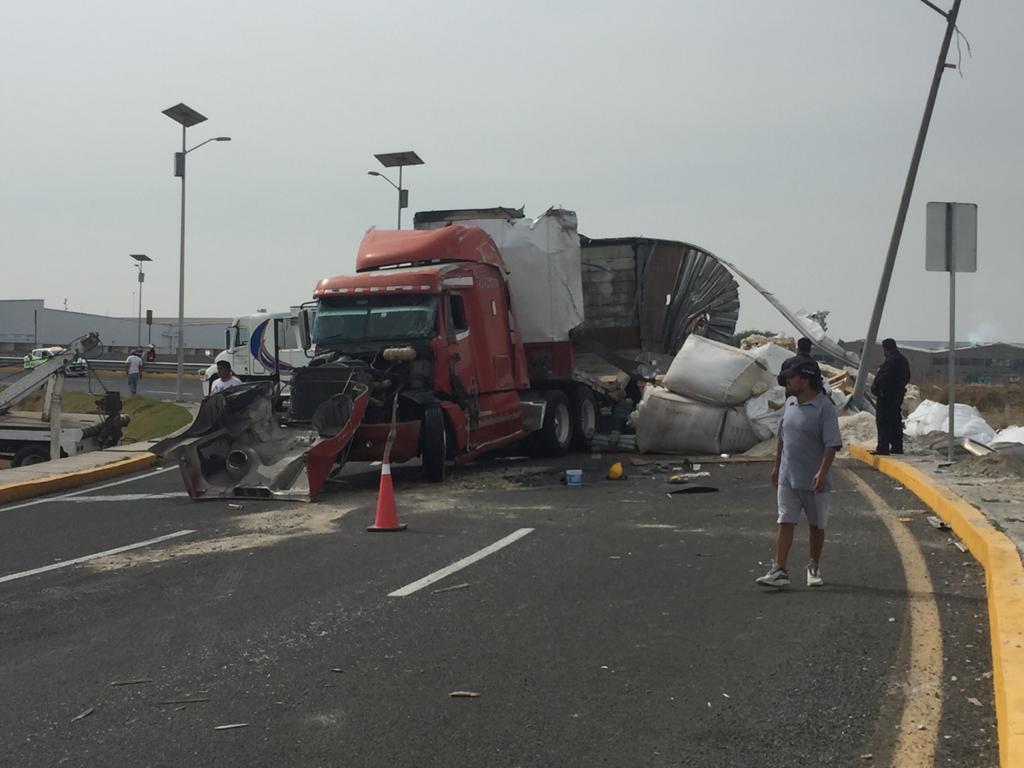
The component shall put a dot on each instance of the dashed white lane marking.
(93, 489)
(86, 558)
(458, 565)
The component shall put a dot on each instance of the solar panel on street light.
(181, 113)
(393, 159)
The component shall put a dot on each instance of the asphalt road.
(623, 630)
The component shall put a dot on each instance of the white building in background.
(26, 324)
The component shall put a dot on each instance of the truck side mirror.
(304, 330)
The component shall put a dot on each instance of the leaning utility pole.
(901, 216)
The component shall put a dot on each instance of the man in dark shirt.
(889, 388)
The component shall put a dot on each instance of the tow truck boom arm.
(38, 376)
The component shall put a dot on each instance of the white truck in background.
(261, 346)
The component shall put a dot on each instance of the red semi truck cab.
(429, 315)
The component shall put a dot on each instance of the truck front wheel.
(31, 454)
(555, 437)
(434, 444)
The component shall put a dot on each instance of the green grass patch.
(150, 418)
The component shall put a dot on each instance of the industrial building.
(995, 363)
(26, 324)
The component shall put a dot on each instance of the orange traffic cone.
(387, 512)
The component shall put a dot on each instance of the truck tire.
(555, 437)
(434, 444)
(31, 454)
(584, 417)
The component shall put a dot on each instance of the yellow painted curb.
(1004, 578)
(27, 489)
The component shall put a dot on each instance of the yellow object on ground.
(616, 472)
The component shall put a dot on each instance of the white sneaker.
(776, 577)
(814, 575)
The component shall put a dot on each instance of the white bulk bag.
(716, 373)
(669, 423)
(1009, 436)
(773, 356)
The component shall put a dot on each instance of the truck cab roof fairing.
(390, 248)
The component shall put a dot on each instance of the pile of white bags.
(930, 416)
(716, 399)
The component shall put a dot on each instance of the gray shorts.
(814, 505)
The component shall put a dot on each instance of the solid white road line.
(48, 499)
(448, 570)
(126, 497)
(86, 558)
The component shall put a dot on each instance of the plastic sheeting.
(765, 411)
(543, 259)
(716, 373)
(930, 416)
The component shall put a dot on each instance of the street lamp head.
(373, 173)
(223, 138)
(140, 257)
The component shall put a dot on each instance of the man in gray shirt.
(808, 441)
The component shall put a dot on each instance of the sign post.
(951, 245)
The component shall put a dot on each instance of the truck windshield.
(357, 319)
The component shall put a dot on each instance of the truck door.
(460, 345)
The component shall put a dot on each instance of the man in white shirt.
(133, 367)
(227, 378)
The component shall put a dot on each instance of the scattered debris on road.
(669, 489)
(200, 700)
(464, 695)
(453, 588)
(229, 726)
(137, 681)
(83, 715)
(937, 523)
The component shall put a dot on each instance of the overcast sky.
(775, 134)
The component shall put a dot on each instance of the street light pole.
(399, 197)
(180, 377)
(139, 258)
(399, 160)
(901, 216)
(187, 117)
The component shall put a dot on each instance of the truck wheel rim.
(561, 425)
(588, 418)
(33, 459)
